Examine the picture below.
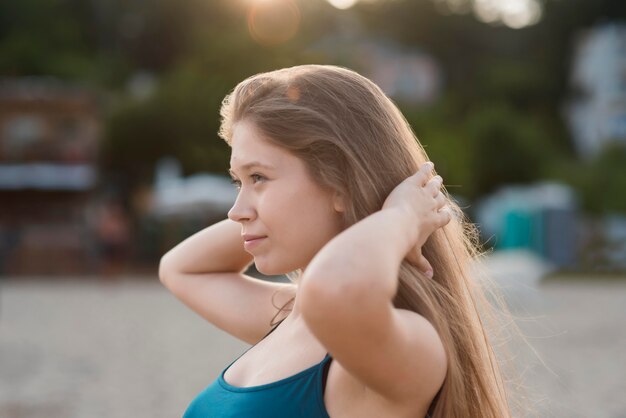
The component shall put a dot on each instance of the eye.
(257, 177)
(260, 177)
(237, 183)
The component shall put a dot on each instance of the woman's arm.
(217, 248)
(366, 255)
(346, 296)
(206, 273)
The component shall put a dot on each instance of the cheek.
(317, 222)
(280, 215)
(297, 217)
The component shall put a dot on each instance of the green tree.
(506, 147)
(604, 180)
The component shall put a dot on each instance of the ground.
(88, 348)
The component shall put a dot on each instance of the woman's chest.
(275, 358)
(343, 395)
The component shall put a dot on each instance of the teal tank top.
(300, 395)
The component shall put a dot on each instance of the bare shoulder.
(409, 388)
(420, 332)
(425, 359)
(395, 353)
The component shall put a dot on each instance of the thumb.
(425, 267)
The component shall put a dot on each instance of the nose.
(241, 211)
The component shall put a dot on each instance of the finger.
(424, 173)
(441, 200)
(434, 184)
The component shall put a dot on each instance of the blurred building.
(406, 74)
(49, 133)
(410, 76)
(597, 112)
(542, 218)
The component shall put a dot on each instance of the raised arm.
(217, 248)
(206, 273)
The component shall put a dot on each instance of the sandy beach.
(87, 348)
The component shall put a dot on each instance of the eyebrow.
(253, 164)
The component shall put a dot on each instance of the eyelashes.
(237, 183)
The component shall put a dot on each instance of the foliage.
(604, 180)
(179, 120)
(497, 121)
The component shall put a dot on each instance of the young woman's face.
(279, 202)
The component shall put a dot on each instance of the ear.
(338, 202)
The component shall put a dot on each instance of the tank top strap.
(325, 369)
(274, 327)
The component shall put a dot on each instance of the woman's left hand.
(420, 197)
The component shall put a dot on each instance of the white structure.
(597, 114)
(47, 176)
(408, 75)
(196, 194)
(405, 74)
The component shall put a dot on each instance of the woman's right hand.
(420, 198)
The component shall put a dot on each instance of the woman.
(380, 319)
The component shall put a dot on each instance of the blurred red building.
(49, 137)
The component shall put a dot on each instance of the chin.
(268, 269)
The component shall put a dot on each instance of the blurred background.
(109, 156)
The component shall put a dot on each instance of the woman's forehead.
(249, 149)
(246, 156)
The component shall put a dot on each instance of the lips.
(251, 241)
(249, 237)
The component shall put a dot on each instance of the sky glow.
(342, 4)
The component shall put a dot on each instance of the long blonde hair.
(355, 141)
